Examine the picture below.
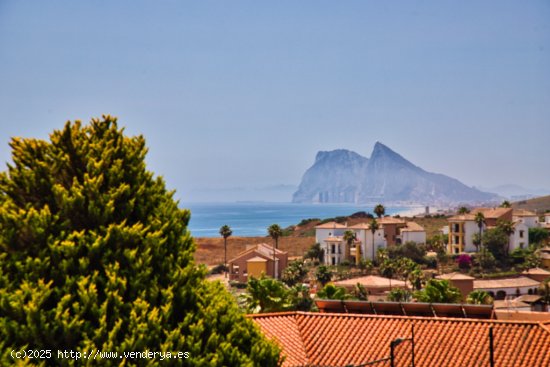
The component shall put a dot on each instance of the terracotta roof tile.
(261, 249)
(413, 227)
(372, 281)
(536, 271)
(505, 283)
(390, 220)
(523, 213)
(455, 276)
(322, 339)
(330, 225)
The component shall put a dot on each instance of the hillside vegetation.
(538, 205)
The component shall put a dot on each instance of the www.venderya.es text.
(94, 354)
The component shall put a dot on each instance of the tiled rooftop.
(261, 248)
(505, 283)
(413, 227)
(488, 213)
(455, 276)
(523, 213)
(323, 339)
(372, 281)
(330, 225)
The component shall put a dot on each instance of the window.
(333, 261)
(521, 234)
(521, 245)
(332, 249)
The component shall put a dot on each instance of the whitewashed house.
(463, 227)
(391, 231)
(520, 237)
(330, 237)
(413, 232)
(530, 219)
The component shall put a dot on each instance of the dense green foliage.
(399, 295)
(315, 253)
(271, 295)
(479, 297)
(331, 291)
(438, 291)
(323, 274)
(409, 250)
(496, 242)
(294, 273)
(95, 254)
(538, 236)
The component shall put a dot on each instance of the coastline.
(252, 219)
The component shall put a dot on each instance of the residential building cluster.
(463, 228)
(391, 231)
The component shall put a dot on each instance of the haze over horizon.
(235, 99)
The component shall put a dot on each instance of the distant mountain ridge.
(343, 176)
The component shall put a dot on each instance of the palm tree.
(507, 228)
(480, 220)
(349, 237)
(225, 232)
(379, 210)
(373, 228)
(479, 297)
(505, 204)
(331, 291)
(388, 269)
(439, 291)
(323, 275)
(463, 210)
(275, 232)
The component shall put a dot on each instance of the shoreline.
(409, 211)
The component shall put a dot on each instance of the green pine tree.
(95, 254)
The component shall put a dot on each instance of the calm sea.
(252, 219)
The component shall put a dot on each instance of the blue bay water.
(252, 219)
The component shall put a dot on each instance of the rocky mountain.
(342, 176)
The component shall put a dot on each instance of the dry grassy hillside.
(210, 250)
(538, 205)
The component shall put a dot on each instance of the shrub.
(323, 275)
(399, 295)
(315, 252)
(409, 249)
(464, 261)
(95, 253)
(294, 273)
(218, 269)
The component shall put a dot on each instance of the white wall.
(470, 228)
(530, 222)
(321, 234)
(365, 236)
(516, 240)
(418, 237)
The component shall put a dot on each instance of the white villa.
(462, 227)
(391, 231)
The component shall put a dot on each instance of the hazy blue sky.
(244, 93)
